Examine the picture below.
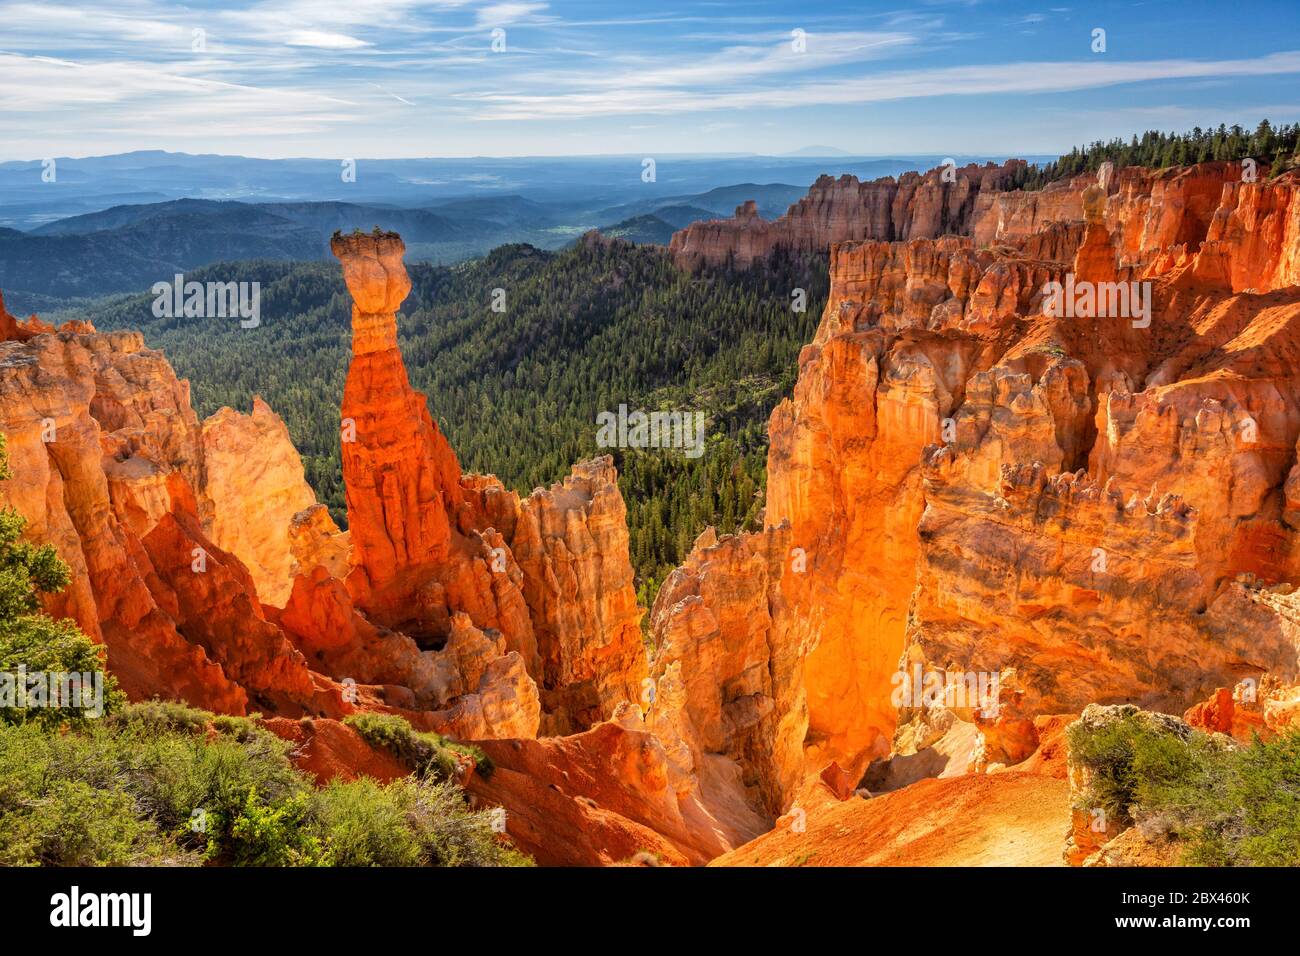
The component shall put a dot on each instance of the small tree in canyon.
(31, 641)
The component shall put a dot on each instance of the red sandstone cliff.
(1084, 508)
(550, 576)
(108, 461)
(202, 561)
(1149, 211)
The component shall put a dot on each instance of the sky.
(452, 78)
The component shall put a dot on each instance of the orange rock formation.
(549, 575)
(915, 205)
(727, 688)
(108, 461)
(1263, 708)
(1098, 503)
(571, 543)
(1080, 503)
(1080, 506)
(1013, 819)
(14, 329)
(402, 478)
(250, 458)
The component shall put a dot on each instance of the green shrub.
(1227, 806)
(1132, 763)
(31, 640)
(160, 717)
(450, 833)
(409, 822)
(426, 753)
(365, 824)
(77, 825)
(151, 785)
(1250, 814)
(243, 729)
(176, 775)
(63, 803)
(275, 834)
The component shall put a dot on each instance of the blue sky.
(405, 78)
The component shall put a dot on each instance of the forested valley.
(517, 391)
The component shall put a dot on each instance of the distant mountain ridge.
(425, 225)
(77, 245)
(583, 184)
(128, 247)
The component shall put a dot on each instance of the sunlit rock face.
(1148, 210)
(402, 478)
(549, 574)
(1097, 502)
(571, 543)
(1264, 708)
(424, 582)
(249, 460)
(109, 465)
(726, 684)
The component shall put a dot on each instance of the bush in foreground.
(31, 642)
(151, 785)
(1226, 805)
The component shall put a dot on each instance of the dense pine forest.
(517, 391)
(1278, 147)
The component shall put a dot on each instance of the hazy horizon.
(798, 154)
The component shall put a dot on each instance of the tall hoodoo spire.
(402, 477)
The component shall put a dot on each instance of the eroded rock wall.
(941, 202)
(1095, 504)
(107, 456)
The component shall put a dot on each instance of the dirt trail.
(1004, 819)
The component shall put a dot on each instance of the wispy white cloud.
(629, 95)
(152, 104)
(387, 72)
(750, 61)
(506, 13)
(400, 99)
(324, 40)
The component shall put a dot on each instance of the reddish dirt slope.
(1005, 819)
(328, 749)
